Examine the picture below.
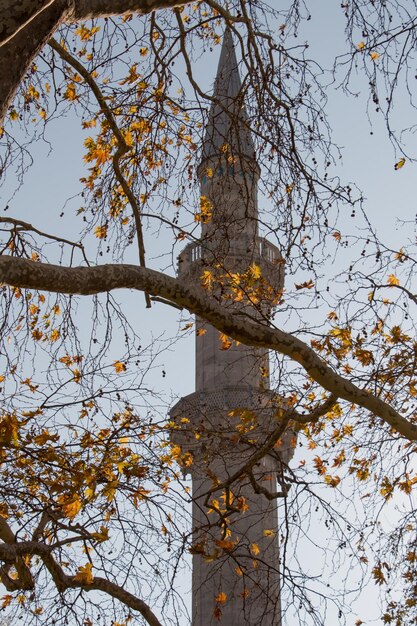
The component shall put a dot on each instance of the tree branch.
(85, 9)
(15, 551)
(92, 280)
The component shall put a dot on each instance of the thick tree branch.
(92, 280)
(14, 16)
(85, 9)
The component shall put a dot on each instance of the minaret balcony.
(232, 423)
(233, 256)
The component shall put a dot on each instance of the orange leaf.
(221, 598)
(119, 367)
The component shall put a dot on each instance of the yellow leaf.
(33, 93)
(207, 279)
(201, 331)
(14, 115)
(101, 231)
(204, 216)
(119, 367)
(85, 574)
(400, 164)
(89, 493)
(102, 535)
(269, 533)
(375, 56)
(255, 271)
(393, 280)
(109, 490)
(361, 45)
(70, 92)
(225, 342)
(71, 506)
(54, 335)
(221, 598)
(255, 549)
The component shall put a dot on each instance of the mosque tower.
(221, 426)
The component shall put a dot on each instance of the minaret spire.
(228, 120)
(228, 170)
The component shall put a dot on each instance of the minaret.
(235, 579)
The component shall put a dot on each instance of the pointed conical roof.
(227, 122)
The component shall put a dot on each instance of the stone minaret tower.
(221, 426)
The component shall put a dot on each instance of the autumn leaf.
(70, 92)
(374, 56)
(201, 331)
(221, 598)
(217, 613)
(269, 533)
(393, 280)
(85, 34)
(305, 285)
(207, 279)
(254, 271)
(55, 334)
(76, 375)
(225, 342)
(71, 505)
(378, 575)
(101, 535)
(225, 544)
(101, 231)
(119, 367)
(84, 574)
(361, 45)
(6, 600)
(399, 164)
(204, 216)
(255, 549)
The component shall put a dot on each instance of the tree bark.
(92, 280)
